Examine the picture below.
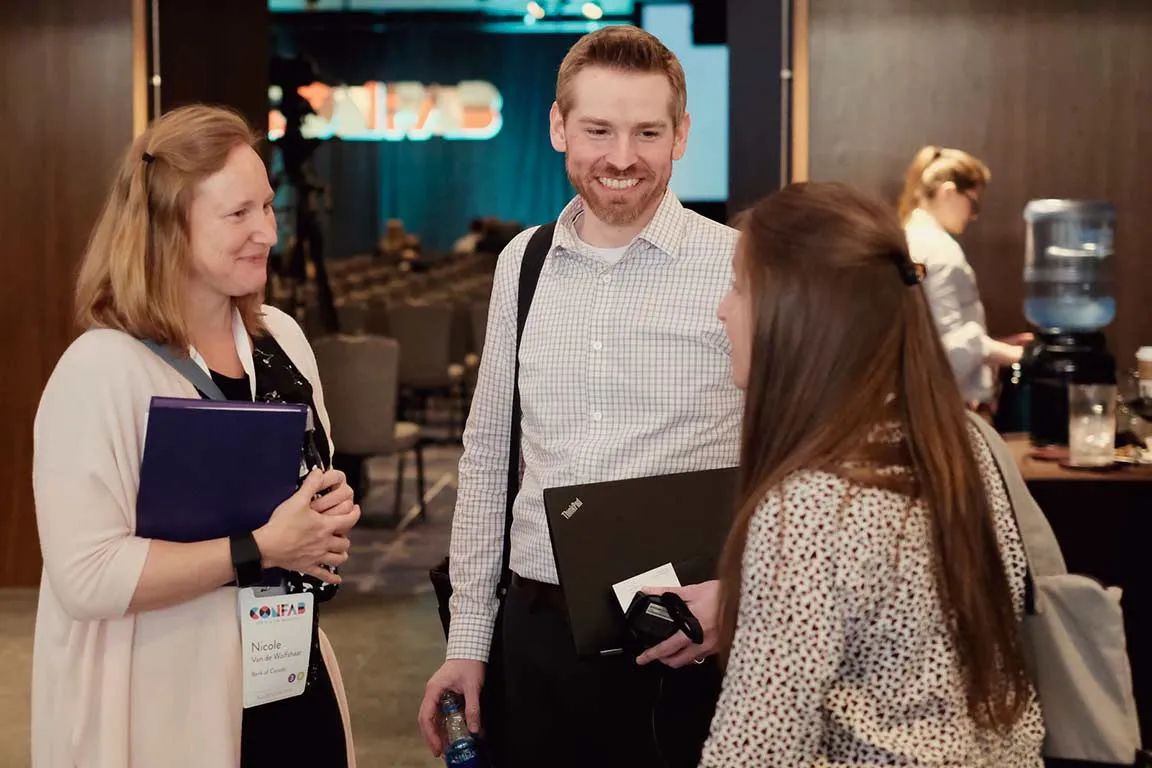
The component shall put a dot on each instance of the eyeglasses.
(973, 203)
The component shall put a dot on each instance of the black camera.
(652, 619)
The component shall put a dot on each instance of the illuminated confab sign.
(379, 111)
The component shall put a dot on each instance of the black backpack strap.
(187, 368)
(530, 267)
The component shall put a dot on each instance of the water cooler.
(1068, 280)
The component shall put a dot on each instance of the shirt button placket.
(596, 396)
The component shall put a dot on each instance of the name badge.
(276, 633)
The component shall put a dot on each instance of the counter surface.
(1040, 469)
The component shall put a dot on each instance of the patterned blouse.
(841, 655)
(278, 380)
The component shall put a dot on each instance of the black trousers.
(563, 710)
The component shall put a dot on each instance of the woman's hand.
(1002, 354)
(298, 538)
(337, 494)
(1019, 339)
(677, 651)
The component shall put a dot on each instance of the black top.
(316, 711)
(233, 389)
(278, 380)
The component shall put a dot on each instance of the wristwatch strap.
(246, 559)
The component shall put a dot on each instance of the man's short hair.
(623, 49)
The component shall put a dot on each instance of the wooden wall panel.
(1053, 94)
(66, 96)
(754, 103)
(236, 72)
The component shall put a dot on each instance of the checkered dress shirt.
(624, 372)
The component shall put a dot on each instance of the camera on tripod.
(289, 75)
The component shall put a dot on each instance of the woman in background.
(873, 583)
(941, 196)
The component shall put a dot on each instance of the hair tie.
(936, 155)
(911, 272)
(148, 157)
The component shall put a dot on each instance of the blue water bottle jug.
(1069, 299)
(1068, 265)
(462, 750)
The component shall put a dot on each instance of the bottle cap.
(451, 702)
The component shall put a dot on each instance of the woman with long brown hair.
(941, 197)
(872, 586)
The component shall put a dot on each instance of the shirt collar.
(664, 231)
(921, 218)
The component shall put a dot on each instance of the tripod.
(307, 246)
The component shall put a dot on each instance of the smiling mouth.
(618, 184)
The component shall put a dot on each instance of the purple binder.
(212, 468)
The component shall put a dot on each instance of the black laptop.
(605, 533)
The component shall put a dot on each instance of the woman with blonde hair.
(941, 196)
(137, 659)
(872, 587)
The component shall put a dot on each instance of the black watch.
(246, 560)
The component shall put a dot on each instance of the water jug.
(1068, 265)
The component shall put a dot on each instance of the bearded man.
(623, 372)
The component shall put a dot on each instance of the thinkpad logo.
(575, 505)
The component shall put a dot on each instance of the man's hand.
(463, 676)
(677, 651)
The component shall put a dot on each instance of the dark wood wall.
(755, 119)
(235, 73)
(1055, 95)
(73, 91)
(66, 90)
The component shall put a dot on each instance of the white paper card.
(664, 576)
(276, 633)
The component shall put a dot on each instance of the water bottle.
(462, 750)
(1067, 265)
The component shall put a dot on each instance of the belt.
(539, 591)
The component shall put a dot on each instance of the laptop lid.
(605, 533)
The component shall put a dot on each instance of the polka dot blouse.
(841, 656)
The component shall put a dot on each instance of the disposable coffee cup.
(1144, 371)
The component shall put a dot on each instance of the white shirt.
(842, 654)
(950, 286)
(466, 243)
(608, 255)
(625, 372)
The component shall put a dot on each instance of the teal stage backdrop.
(437, 185)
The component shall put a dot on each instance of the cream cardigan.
(112, 689)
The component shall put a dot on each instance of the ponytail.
(935, 166)
(914, 181)
(974, 591)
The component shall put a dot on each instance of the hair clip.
(911, 272)
(148, 157)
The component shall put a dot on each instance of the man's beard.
(613, 208)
